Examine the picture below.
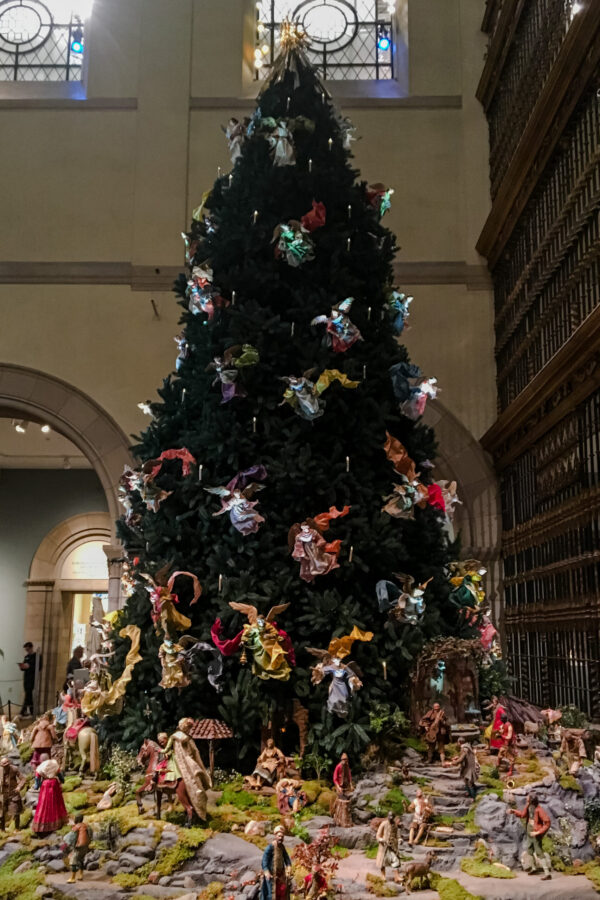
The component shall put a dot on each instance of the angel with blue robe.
(345, 676)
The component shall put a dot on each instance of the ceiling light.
(46, 429)
(146, 407)
(20, 425)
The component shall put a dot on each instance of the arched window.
(348, 40)
(42, 40)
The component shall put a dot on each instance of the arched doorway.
(28, 393)
(66, 570)
(73, 414)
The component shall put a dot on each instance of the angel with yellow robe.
(270, 646)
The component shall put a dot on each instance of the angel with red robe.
(270, 646)
(307, 544)
(345, 676)
(341, 332)
(236, 499)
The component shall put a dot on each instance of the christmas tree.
(292, 398)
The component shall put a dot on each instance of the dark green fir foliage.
(306, 461)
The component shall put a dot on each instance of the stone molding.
(160, 278)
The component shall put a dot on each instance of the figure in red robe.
(498, 711)
(50, 812)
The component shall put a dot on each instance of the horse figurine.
(150, 756)
(84, 738)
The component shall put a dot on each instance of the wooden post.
(211, 756)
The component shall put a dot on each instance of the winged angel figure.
(404, 603)
(345, 676)
(270, 646)
(236, 499)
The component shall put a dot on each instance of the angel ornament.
(345, 677)
(400, 504)
(406, 603)
(412, 397)
(227, 370)
(304, 395)
(164, 613)
(203, 297)
(292, 243)
(341, 332)
(142, 481)
(174, 673)
(236, 499)
(280, 142)
(307, 545)
(270, 647)
(184, 351)
(236, 136)
(398, 309)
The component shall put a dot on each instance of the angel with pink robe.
(236, 499)
(307, 545)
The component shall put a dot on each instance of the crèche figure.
(341, 332)
(227, 370)
(236, 499)
(406, 603)
(345, 677)
(436, 731)
(269, 768)
(270, 646)
(307, 544)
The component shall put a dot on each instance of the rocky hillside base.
(138, 856)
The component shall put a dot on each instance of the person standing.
(492, 732)
(507, 749)
(276, 869)
(387, 839)
(28, 667)
(537, 824)
(79, 840)
(342, 782)
(43, 736)
(11, 802)
(466, 760)
(436, 731)
(76, 662)
(50, 812)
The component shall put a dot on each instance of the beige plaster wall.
(112, 179)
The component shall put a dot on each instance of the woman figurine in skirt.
(50, 812)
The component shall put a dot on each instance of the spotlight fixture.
(66, 463)
(145, 407)
(77, 39)
(46, 429)
(384, 42)
(20, 425)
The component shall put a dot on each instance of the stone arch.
(461, 458)
(73, 414)
(46, 613)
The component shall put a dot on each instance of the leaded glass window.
(348, 40)
(42, 40)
